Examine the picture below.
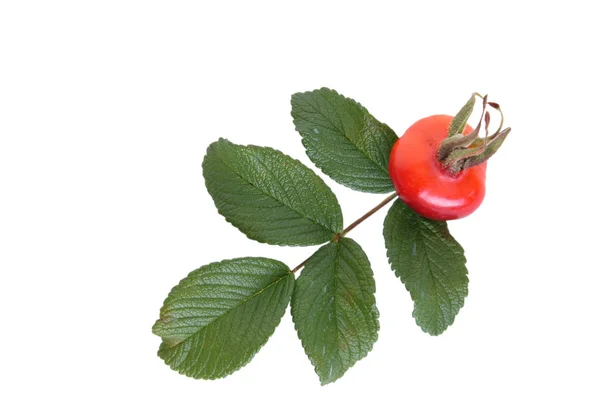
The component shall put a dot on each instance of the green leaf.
(333, 307)
(459, 122)
(217, 318)
(269, 196)
(430, 263)
(344, 140)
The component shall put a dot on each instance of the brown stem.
(367, 215)
(302, 264)
(353, 225)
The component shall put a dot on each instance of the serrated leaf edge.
(397, 274)
(375, 189)
(370, 346)
(250, 356)
(249, 234)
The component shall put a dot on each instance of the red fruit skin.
(420, 180)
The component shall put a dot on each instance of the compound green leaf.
(344, 140)
(269, 196)
(430, 263)
(333, 307)
(217, 318)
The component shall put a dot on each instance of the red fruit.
(424, 183)
(438, 165)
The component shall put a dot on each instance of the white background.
(106, 109)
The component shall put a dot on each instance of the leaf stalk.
(353, 225)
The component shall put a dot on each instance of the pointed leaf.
(459, 122)
(490, 148)
(269, 196)
(430, 263)
(344, 140)
(217, 318)
(333, 307)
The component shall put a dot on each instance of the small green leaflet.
(344, 140)
(333, 307)
(269, 196)
(430, 263)
(217, 318)
(459, 122)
